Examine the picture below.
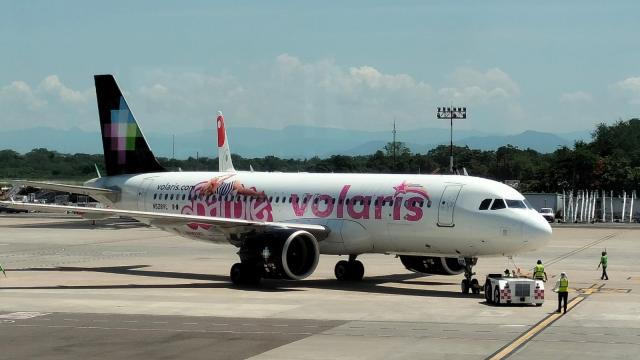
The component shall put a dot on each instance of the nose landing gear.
(469, 283)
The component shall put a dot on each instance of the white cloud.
(576, 97)
(52, 85)
(326, 94)
(19, 92)
(285, 91)
(630, 87)
(470, 85)
(50, 103)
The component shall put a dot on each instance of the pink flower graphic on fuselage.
(222, 186)
(223, 197)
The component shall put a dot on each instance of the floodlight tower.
(452, 113)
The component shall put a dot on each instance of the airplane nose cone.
(536, 231)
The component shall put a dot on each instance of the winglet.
(224, 154)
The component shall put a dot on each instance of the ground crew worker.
(538, 272)
(2, 269)
(562, 288)
(603, 261)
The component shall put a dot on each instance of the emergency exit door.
(447, 205)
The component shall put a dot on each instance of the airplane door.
(447, 205)
(142, 192)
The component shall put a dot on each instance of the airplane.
(282, 222)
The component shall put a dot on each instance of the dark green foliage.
(610, 161)
(45, 164)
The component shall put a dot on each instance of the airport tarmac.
(123, 290)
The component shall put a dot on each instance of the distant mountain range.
(289, 142)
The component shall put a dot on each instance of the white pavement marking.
(166, 330)
(22, 315)
(513, 325)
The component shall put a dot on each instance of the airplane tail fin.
(125, 149)
(224, 154)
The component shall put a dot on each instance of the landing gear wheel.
(496, 296)
(356, 270)
(475, 286)
(342, 270)
(464, 286)
(487, 293)
(469, 282)
(351, 270)
(244, 274)
(236, 274)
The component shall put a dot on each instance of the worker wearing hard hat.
(562, 288)
(538, 272)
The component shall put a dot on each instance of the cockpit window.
(498, 204)
(528, 204)
(516, 204)
(484, 205)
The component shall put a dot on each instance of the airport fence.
(589, 206)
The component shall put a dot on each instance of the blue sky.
(546, 65)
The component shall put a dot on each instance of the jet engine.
(432, 265)
(284, 254)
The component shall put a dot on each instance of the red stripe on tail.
(221, 131)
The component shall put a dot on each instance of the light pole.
(394, 145)
(452, 113)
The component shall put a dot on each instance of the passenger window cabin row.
(277, 199)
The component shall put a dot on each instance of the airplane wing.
(160, 219)
(75, 189)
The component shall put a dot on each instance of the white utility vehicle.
(548, 214)
(501, 289)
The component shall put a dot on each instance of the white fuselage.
(367, 213)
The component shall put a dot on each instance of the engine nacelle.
(287, 254)
(432, 265)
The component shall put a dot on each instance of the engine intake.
(432, 265)
(291, 254)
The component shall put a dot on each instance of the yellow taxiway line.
(539, 327)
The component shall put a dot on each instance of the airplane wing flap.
(163, 219)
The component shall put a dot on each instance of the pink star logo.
(401, 189)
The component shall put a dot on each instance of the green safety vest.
(564, 285)
(539, 272)
(604, 260)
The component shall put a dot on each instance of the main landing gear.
(351, 270)
(469, 283)
(245, 273)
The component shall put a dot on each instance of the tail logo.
(221, 131)
(122, 131)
